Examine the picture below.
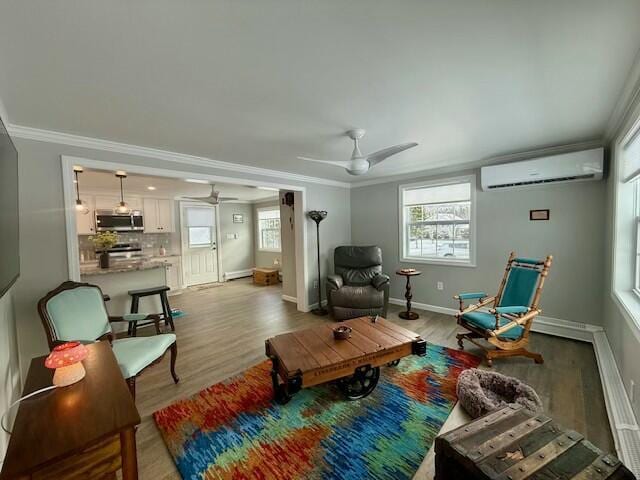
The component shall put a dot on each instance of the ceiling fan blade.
(209, 200)
(226, 199)
(380, 155)
(337, 163)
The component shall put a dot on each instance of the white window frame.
(636, 201)
(471, 261)
(625, 296)
(258, 233)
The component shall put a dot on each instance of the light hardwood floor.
(225, 327)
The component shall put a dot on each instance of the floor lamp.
(317, 216)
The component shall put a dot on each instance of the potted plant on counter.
(103, 242)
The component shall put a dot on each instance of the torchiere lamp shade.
(66, 359)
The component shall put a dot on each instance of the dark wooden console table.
(85, 430)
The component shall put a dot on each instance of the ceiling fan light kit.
(360, 164)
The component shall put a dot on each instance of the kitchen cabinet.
(158, 215)
(173, 271)
(86, 223)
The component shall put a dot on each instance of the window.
(269, 229)
(199, 226)
(437, 222)
(636, 203)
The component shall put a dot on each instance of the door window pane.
(199, 236)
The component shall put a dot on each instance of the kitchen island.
(125, 275)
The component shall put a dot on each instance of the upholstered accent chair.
(358, 286)
(76, 311)
(507, 322)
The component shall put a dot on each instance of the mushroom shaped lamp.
(66, 359)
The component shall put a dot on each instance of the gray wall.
(263, 259)
(623, 336)
(9, 364)
(573, 236)
(43, 237)
(237, 253)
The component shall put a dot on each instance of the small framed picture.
(538, 215)
(238, 218)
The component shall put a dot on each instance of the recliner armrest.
(334, 282)
(380, 281)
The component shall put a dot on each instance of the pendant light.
(81, 205)
(122, 207)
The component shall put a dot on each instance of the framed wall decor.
(535, 215)
(238, 218)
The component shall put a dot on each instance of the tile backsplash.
(150, 243)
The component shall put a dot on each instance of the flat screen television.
(9, 238)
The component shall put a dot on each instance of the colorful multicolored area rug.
(234, 430)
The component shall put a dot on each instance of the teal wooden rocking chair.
(507, 323)
(76, 311)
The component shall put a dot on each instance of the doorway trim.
(181, 204)
(73, 255)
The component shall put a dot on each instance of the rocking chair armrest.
(509, 310)
(515, 322)
(476, 306)
(470, 296)
(380, 280)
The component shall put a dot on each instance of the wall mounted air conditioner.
(563, 168)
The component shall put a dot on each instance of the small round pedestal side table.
(408, 315)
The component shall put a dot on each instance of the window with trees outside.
(437, 221)
(269, 229)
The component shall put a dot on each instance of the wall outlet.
(315, 284)
(440, 286)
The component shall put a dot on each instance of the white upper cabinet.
(158, 215)
(86, 223)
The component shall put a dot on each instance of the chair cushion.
(136, 353)
(357, 265)
(480, 392)
(361, 297)
(486, 321)
(78, 314)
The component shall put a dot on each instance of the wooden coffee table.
(313, 356)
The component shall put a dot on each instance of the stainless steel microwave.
(106, 220)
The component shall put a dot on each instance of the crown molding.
(628, 98)
(442, 168)
(51, 136)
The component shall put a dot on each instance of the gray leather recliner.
(358, 287)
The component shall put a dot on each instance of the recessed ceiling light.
(195, 180)
(151, 187)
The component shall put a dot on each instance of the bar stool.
(136, 295)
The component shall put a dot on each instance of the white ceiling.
(259, 82)
(95, 181)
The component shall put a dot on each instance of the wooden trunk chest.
(265, 276)
(515, 444)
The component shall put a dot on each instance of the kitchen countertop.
(93, 268)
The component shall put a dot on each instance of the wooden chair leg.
(174, 355)
(460, 337)
(131, 383)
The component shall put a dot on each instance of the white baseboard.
(624, 427)
(238, 274)
(315, 305)
(289, 298)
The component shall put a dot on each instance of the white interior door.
(199, 244)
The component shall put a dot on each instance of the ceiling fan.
(359, 164)
(214, 197)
